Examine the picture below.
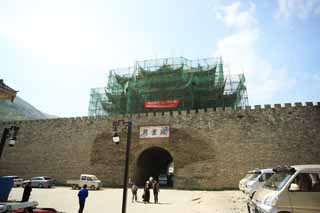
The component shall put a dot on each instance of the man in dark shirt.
(156, 189)
(26, 192)
(83, 194)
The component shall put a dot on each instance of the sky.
(54, 52)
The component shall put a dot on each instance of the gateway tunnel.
(154, 162)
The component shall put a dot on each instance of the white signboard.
(155, 131)
(171, 168)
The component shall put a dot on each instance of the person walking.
(146, 195)
(134, 190)
(82, 194)
(156, 189)
(26, 192)
(150, 182)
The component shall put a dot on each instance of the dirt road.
(110, 200)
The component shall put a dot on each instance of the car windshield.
(253, 176)
(278, 180)
(47, 178)
(247, 176)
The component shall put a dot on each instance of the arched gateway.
(154, 162)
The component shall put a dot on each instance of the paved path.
(109, 200)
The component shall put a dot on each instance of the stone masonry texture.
(211, 149)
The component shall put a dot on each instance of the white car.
(257, 179)
(243, 181)
(40, 182)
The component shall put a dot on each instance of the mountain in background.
(20, 110)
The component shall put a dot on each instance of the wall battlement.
(256, 108)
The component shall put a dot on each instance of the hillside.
(20, 110)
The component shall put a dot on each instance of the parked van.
(254, 179)
(291, 189)
(257, 179)
(243, 181)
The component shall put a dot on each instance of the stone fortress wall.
(211, 149)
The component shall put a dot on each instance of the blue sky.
(53, 52)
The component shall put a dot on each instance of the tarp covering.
(6, 184)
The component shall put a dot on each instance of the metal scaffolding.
(168, 84)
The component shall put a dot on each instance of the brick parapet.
(199, 112)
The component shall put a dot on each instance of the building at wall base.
(168, 84)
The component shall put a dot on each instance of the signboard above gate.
(162, 131)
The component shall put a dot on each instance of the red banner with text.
(161, 104)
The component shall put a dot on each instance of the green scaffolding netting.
(195, 84)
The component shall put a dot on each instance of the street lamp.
(116, 140)
(9, 132)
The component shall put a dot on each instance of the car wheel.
(92, 187)
(74, 186)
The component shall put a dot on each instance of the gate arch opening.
(153, 162)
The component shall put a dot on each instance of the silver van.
(294, 189)
(256, 180)
(243, 181)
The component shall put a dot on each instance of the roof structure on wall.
(6, 92)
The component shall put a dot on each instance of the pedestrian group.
(150, 184)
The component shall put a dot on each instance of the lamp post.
(9, 132)
(116, 140)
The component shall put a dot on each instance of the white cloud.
(233, 17)
(301, 9)
(239, 52)
(68, 32)
(317, 10)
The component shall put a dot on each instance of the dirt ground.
(110, 200)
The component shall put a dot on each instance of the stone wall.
(211, 149)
